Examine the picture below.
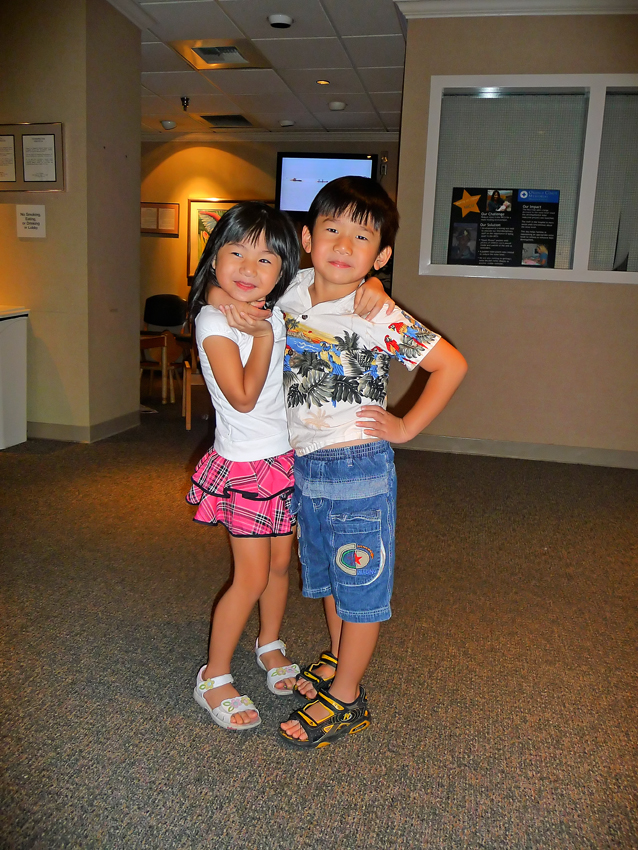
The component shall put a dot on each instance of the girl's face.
(247, 271)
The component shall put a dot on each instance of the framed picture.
(161, 219)
(31, 158)
(203, 215)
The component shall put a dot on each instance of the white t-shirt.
(336, 362)
(263, 432)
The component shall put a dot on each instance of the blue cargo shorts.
(345, 502)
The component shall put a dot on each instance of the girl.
(245, 481)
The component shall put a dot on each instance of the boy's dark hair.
(246, 221)
(363, 200)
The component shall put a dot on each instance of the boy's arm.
(370, 298)
(447, 367)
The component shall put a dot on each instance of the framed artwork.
(162, 219)
(203, 215)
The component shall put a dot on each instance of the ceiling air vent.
(227, 121)
(212, 54)
(221, 55)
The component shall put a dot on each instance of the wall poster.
(31, 158)
(503, 227)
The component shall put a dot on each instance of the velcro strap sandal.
(319, 682)
(276, 674)
(346, 718)
(222, 715)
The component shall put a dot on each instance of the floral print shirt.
(336, 362)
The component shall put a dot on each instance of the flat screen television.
(301, 175)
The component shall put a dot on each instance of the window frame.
(596, 86)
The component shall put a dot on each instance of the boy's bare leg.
(272, 604)
(334, 622)
(358, 641)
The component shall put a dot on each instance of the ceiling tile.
(184, 123)
(318, 101)
(343, 79)
(392, 120)
(212, 104)
(159, 57)
(247, 81)
(376, 51)
(154, 105)
(309, 18)
(271, 120)
(362, 17)
(190, 20)
(349, 120)
(304, 52)
(268, 103)
(382, 79)
(387, 101)
(177, 83)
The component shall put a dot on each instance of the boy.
(335, 377)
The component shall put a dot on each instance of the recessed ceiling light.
(337, 105)
(168, 125)
(286, 122)
(323, 82)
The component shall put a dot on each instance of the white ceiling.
(358, 45)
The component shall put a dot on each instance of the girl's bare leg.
(334, 622)
(358, 641)
(272, 604)
(251, 556)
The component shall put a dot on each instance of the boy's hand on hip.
(383, 425)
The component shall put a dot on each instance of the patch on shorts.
(353, 559)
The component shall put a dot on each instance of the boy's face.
(343, 251)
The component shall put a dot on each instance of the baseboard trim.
(524, 451)
(83, 433)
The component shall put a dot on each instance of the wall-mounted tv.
(301, 175)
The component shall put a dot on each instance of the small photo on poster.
(499, 200)
(464, 237)
(534, 254)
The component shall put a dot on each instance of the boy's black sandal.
(309, 675)
(346, 718)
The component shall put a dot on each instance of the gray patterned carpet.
(503, 691)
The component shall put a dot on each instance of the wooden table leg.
(164, 360)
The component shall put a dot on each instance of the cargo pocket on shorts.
(358, 547)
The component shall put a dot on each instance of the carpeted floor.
(503, 691)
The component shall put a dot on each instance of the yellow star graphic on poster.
(468, 203)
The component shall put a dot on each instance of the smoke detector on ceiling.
(168, 125)
(280, 22)
(336, 105)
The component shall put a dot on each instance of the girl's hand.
(243, 321)
(370, 298)
(218, 298)
(383, 425)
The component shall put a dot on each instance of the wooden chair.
(172, 352)
(192, 378)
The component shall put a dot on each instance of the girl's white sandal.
(276, 674)
(222, 715)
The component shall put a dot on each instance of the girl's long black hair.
(246, 221)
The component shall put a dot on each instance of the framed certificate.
(31, 158)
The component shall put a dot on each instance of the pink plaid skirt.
(250, 498)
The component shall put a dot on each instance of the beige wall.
(174, 172)
(550, 363)
(82, 359)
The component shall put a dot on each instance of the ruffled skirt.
(250, 498)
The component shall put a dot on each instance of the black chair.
(165, 313)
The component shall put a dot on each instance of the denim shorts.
(345, 502)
